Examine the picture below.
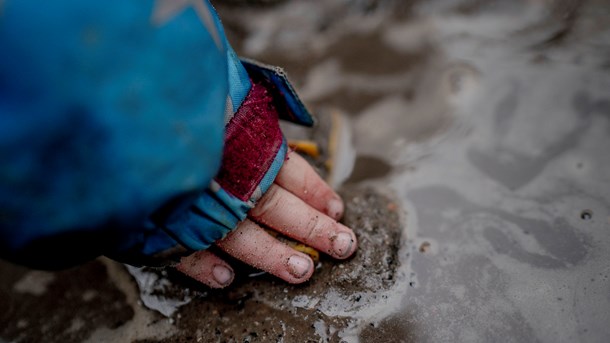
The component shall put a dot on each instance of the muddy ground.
(99, 301)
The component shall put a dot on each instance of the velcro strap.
(252, 140)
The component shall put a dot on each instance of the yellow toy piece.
(313, 253)
(306, 147)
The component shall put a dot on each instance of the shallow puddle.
(491, 122)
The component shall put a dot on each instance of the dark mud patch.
(392, 329)
(368, 54)
(75, 303)
(350, 100)
(260, 308)
(368, 167)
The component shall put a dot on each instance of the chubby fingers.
(254, 246)
(290, 215)
(299, 178)
(301, 206)
(206, 268)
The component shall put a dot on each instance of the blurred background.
(490, 120)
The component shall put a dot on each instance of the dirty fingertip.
(335, 208)
(223, 275)
(300, 268)
(344, 244)
(206, 268)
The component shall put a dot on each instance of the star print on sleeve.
(165, 10)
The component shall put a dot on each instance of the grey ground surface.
(477, 176)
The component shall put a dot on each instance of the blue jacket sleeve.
(107, 110)
(112, 118)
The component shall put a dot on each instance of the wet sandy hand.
(299, 205)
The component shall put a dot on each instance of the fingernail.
(335, 208)
(222, 274)
(342, 245)
(298, 266)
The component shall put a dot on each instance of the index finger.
(299, 178)
(291, 216)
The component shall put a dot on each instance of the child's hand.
(299, 205)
